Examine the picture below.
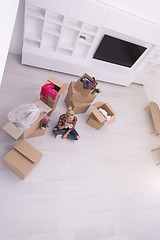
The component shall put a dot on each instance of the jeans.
(71, 135)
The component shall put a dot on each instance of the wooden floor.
(106, 186)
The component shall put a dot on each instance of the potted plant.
(96, 91)
(44, 123)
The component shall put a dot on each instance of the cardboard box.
(96, 118)
(22, 159)
(79, 85)
(60, 88)
(37, 133)
(74, 95)
(78, 107)
(17, 133)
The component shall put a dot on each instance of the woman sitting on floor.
(66, 125)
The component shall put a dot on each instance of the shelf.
(49, 42)
(85, 38)
(53, 29)
(65, 52)
(36, 12)
(33, 27)
(89, 29)
(81, 51)
(32, 44)
(33, 37)
(54, 18)
(71, 23)
(68, 38)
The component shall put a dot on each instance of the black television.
(118, 51)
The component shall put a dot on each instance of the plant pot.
(43, 128)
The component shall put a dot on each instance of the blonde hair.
(69, 112)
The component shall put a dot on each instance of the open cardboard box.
(79, 85)
(60, 88)
(96, 118)
(78, 107)
(74, 95)
(33, 131)
(22, 159)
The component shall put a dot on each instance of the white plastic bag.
(24, 115)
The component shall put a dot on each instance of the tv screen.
(117, 51)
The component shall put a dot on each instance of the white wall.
(17, 37)
(8, 11)
(152, 88)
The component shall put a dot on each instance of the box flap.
(12, 130)
(63, 88)
(55, 81)
(41, 104)
(28, 151)
(109, 106)
(99, 115)
(98, 104)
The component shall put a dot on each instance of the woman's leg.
(58, 131)
(73, 135)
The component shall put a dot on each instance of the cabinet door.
(59, 6)
(37, 61)
(87, 12)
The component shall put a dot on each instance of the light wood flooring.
(106, 186)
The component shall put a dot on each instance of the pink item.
(48, 89)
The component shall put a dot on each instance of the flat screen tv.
(118, 51)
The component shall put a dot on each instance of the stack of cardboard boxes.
(33, 131)
(60, 88)
(23, 158)
(78, 97)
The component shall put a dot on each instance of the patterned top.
(88, 84)
(62, 121)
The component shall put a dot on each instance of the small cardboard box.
(17, 133)
(74, 95)
(79, 85)
(78, 107)
(96, 118)
(60, 88)
(22, 159)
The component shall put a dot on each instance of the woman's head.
(69, 114)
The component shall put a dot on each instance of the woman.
(66, 125)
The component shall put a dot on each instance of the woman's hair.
(69, 112)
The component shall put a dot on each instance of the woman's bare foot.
(78, 137)
(64, 136)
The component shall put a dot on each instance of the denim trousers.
(71, 135)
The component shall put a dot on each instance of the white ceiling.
(147, 9)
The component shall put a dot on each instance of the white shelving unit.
(65, 35)
(56, 33)
(151, 64)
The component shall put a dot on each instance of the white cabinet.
(64, 35)
(87, 11)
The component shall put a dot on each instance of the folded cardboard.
(92, 121)
(96, 118)
(78, 107)
(79, 85)
(49, 102)
(74, 95)
(17, 133)
(60, 88)
(22, 159)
